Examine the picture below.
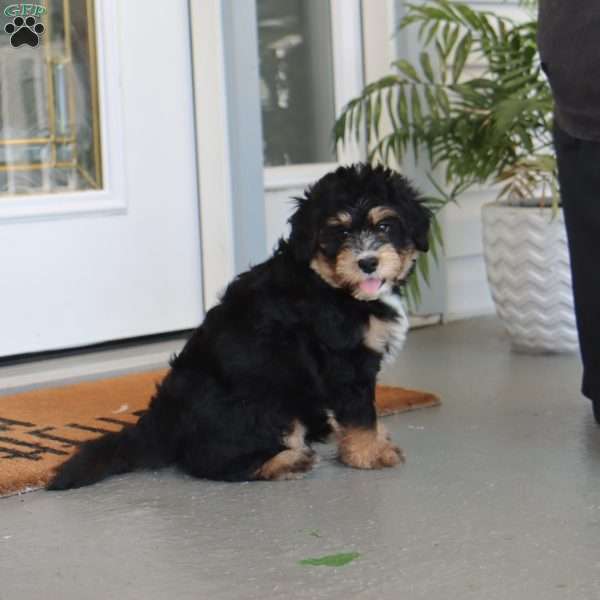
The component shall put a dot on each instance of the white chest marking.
(396, 330)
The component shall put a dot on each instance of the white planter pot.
(527, 263)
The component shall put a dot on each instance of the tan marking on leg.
(382, 432)
(288, 464)
(293, 462)
(368, 448)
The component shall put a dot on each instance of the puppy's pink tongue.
(370, 286)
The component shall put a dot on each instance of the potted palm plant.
(478, 105)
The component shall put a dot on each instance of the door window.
(296, 81)
(49, 116)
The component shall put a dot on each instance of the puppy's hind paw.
(288, 464)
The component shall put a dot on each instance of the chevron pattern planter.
(527, 263)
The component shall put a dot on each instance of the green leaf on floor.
(331, 560)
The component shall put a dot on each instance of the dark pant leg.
(579, 176)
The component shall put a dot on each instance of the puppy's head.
(360, 229)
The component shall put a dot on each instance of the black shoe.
(596, 408)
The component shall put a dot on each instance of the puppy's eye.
(344, 233)
(383, 227)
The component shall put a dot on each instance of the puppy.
(291, 353)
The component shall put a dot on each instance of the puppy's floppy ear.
(303, 235)
(411, 204)
(420, 226)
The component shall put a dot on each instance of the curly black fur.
(282, 347)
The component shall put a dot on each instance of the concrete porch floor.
(499, 499)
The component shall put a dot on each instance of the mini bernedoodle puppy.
(291, 353)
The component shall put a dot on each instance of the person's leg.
(579, 177)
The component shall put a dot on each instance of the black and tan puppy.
(291, 353)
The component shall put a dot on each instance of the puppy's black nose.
(368, 265)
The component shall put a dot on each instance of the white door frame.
(86, 267)
(228, 140)
(212, 143)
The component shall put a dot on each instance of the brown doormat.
(41, 428)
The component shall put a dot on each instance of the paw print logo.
(24, 31)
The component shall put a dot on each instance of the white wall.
(279, 207)
(467, 292)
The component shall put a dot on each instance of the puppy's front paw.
(389, 455)
(368, 449)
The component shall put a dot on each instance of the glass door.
(99, 216)
(49, 111)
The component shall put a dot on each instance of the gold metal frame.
(53, 139)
